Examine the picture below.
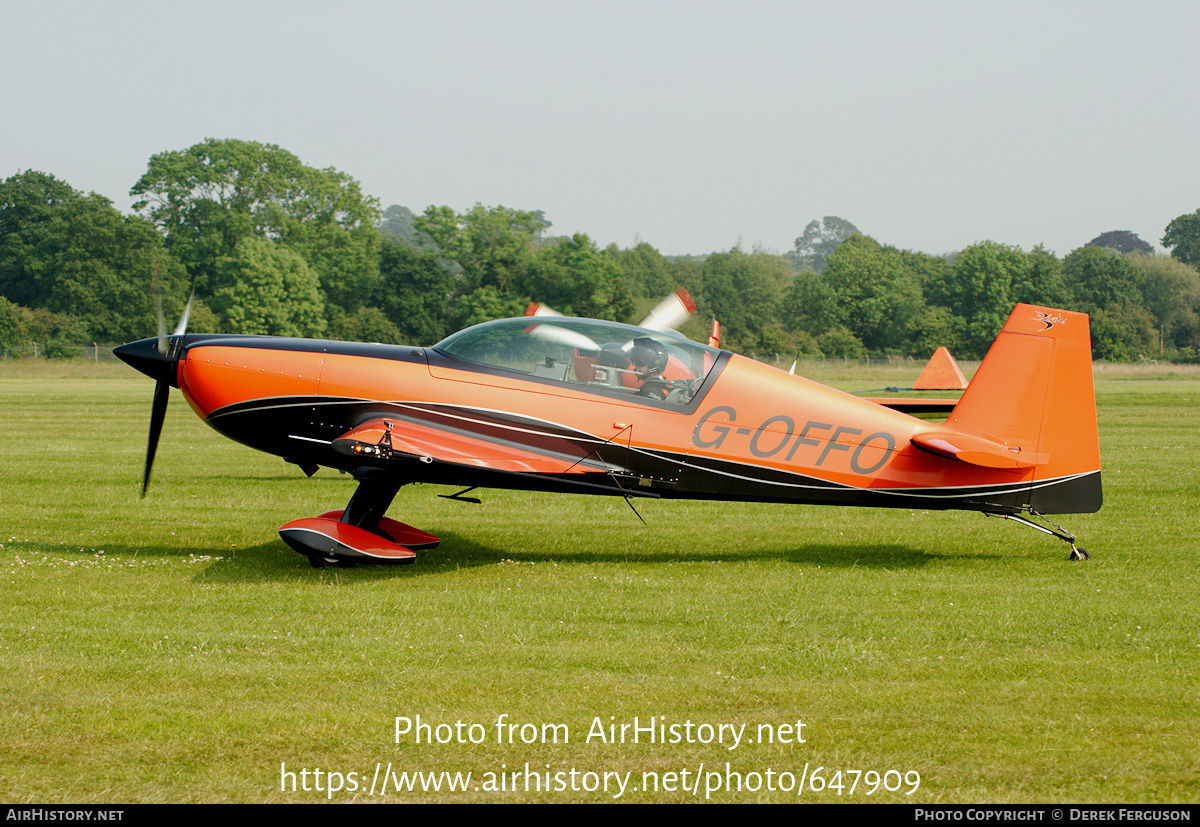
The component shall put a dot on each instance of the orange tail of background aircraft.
(941, 373)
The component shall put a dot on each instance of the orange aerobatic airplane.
(551, 403)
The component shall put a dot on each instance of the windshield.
(642, 362)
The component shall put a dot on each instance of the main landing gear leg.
(1061, 533)
(369, 503)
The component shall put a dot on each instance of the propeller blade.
(162, 321)
(158, 412)
(671, 312)
(156, 292)
(539, 309)
(160, 361)
(563, 336)
(181, 328)
(668, 314)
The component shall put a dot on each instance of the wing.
(398, 440)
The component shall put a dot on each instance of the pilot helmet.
(648, 356)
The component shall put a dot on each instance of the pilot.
(649, 357)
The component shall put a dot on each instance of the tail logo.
(1047, 320)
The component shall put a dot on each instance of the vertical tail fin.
(1034, 393)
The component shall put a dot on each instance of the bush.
(841, 342)
(61, 347)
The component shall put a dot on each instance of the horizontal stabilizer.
(978, 451)
(914, 405)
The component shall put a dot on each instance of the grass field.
(174, 649)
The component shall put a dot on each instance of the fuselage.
(742, 430)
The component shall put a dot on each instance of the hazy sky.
(694, 126)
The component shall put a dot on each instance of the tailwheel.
(1058, 531)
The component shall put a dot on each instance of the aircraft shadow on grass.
(274, 561)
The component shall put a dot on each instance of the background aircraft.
(583, 406)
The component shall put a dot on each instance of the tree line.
(273, 246)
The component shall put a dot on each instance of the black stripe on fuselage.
(303, 428)
(370, 350)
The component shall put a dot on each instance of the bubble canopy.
(651, 364)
